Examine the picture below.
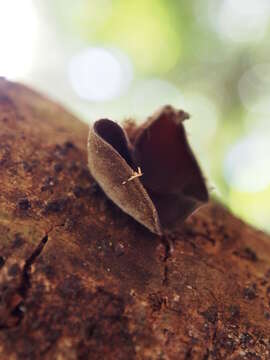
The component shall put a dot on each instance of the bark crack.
(18, 311)
(168, 247)
(26, 272)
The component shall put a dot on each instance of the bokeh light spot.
(99, 74)
(254, 89)
(243, 20)
(18, 36)
(247, 164)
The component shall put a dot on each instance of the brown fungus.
(155, 178)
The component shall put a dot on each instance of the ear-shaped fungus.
(169, 184)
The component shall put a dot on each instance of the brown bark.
(79, 279)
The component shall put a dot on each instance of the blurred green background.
(127, 58)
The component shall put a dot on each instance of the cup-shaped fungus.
(154, 177)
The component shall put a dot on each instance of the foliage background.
(127, 58)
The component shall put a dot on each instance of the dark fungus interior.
(113, 134)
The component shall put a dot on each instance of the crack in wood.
(168, 246)
(26, 283)
(21, 291)
(26, 271)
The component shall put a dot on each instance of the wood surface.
(80, 279)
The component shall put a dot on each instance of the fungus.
(154, 178)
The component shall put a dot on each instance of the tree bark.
(80, 279)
